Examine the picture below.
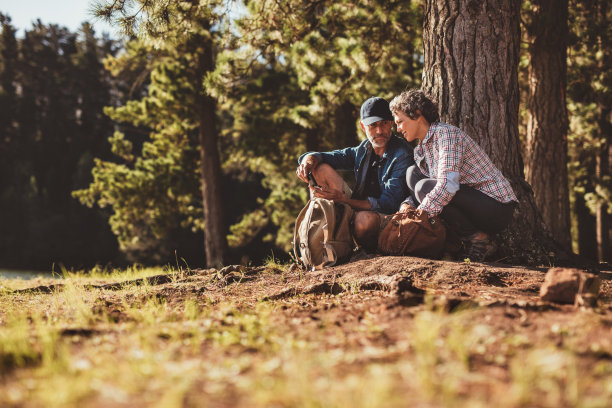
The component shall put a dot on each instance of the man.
(379, 164)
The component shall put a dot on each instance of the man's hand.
(329, 193)
(308, 164)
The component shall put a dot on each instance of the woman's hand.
(405, 207)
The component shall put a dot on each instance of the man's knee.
(366, 225)
(324, 171)
(327, 176)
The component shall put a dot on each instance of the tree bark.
(604, 250)
(602, 170)
(471, 55)
(345, 132)
(215, 242)
(586, 229)
(547, 122)
(313, 144)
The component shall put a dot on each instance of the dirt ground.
(392, 282)
(373, 310)
(389, 292)
(392, 290)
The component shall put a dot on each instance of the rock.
(586, 300)
(562, 285)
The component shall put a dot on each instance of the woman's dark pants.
(469, 211)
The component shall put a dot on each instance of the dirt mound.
(392, 276)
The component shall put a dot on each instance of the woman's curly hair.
(414, 102)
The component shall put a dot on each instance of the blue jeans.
(469, 211)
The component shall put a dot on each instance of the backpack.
(412, 232)
(322, 235)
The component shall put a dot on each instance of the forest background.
(113, 151)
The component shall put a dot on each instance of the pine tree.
(48, 141)
(590, 98)
(471, 69)
(178, 47)
(10, 190)
(547, 122)
(270, 108)
(335, 55)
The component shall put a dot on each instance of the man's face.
(407, 127)
(378, 133)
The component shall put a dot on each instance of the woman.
(452, 176)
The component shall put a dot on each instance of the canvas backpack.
(412, 232)
(322, 235)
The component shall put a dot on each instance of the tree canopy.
(191, 128)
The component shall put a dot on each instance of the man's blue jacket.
(397, 158)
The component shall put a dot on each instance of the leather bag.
(412, 232)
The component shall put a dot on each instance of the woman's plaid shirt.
(455, 158)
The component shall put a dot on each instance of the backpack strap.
(331, 255)
(300, 247)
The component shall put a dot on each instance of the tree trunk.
(344, 126)
(547, 123)
(601, 213)
(313, 143)
(586, 229)
(604, 249)
(215, 242)
(471, 55)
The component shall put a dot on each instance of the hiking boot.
(479, 246)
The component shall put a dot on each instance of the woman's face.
(407, 127)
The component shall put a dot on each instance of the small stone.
(562, 285)
(586, 300)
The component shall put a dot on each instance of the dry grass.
(141, 346)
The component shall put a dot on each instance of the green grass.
(151, 348)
